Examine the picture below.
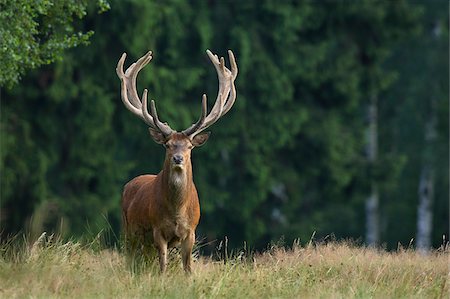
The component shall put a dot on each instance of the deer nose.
(177, 159)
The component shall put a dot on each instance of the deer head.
(178, 144)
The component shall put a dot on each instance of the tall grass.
(52, 268)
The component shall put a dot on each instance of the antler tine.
(200, 121)
(119, 68)
(226, 104)
(130, 76)
(130, 96)
(124, 92)
(234, 72)
(232, 92)
(126, 101)
(133, 72)
(152, 119)
(144, 110)
(163, 127)
(234, 69)
(226, 94)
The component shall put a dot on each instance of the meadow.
(53, 268)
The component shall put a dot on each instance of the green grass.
(51, 268)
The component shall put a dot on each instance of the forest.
(340, 128)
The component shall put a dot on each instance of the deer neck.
(177, 183)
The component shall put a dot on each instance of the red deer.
(166, 206)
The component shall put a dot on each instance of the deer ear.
(157, 136)
(200, 139)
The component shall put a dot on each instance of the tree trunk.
(425, 210)
(426, 184)
(372, 201)
(426, 181)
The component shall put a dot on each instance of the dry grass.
(56, 269)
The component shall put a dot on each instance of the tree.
(35, 33)
(377, 29)
(288, 159)
(416, 129)
(427, 177)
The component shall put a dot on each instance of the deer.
(164, 209)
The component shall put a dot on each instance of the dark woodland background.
(340, 127)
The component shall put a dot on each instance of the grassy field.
(55, 269)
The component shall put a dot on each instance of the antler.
(130, 96)
(225, 96)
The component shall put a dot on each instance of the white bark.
(426, 182)
(372, 218)
(426, 185)
(425, 210)
(372, 201)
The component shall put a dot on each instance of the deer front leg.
(161, 246)
(186, 251)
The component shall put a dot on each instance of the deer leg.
(126, 233)
(161, 246)
(186, 251)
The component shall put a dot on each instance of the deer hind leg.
(161, 246)
(186, 251)
(129, 237)
(134, 248)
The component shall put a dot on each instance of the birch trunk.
(372, 201)
(425, 210)
(426, 184)
(426, 181)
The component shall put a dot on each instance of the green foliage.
(421, 91)
(288, 159)
(35, 33)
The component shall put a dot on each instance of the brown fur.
(165, 206)
(164, 209)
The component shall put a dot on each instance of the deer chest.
(175, 230)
